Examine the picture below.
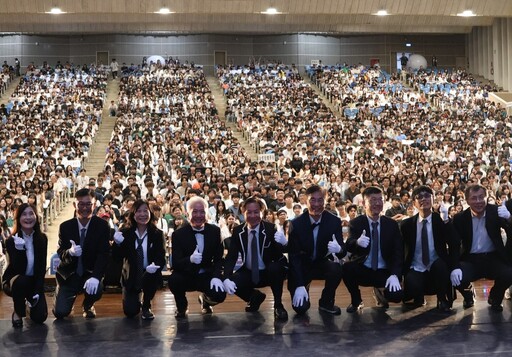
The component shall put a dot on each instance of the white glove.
(300, 296)
(392, 284)
(456, 277)
(196, 257)
(35, 300)
(229, 286)
(91, 286)
(19, 243)
(443, 210)
(152, 268)
(280, 237)
(118, 237)
(217, 285)
(363, 241)
(75, 250)
(333, 247)
(503, 212)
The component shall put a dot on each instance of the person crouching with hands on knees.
(23, 279)
(482, 251)
(197, 252)
(377, 254)
(141, 246)
(263, 262)
(83, 250)
(315, 248)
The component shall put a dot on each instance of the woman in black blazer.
(23, 279)
(141, 274)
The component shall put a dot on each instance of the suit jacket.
(184, 244)
(463, 224)
(95, 250)
(17, 261)
(127, 252)
(301, 242)
(270, 250)
(445, 242)
(391, 244)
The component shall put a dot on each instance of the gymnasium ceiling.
(245, 17)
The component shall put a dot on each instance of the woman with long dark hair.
(23, 279)
(141, 246)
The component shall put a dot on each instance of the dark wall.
(300, 49)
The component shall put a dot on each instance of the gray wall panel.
(288, 48)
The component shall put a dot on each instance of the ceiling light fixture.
(270, 11)
(55, 11)
(466, 13)
(164, 11)
(382, 13)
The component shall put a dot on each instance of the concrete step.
(220, 103)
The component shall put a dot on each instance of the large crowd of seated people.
(48, 125)
(169, 144)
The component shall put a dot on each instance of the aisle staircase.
(220, 103)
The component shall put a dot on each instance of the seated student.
(263, 262)
(141, 246)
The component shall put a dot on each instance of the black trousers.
(490, 266)
(435, 281)
(180, 283)
(132, 296)
(330, 271)
(21, 288)
(66, 292)
(273, 275)
(357, 274)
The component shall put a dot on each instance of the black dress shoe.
(380, 298)
(180, 314)
(333, 309)
(205, 307)
(444, 306)
(257, 299)
(354, 307)
(89, 313)
(469, 298)
(495, 306)
(280, 313)
(16, 323)
(147, 314)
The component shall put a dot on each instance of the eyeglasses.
(423, 196)
(84, 204)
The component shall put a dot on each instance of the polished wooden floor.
(230, 331)
(163, 303)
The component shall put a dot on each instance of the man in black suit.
(375, 261)
(482, 251)
(263, 262)
(430, 252)
(83, 251)
(315, 249)
(197, 260)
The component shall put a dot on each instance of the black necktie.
(375, 246)
(140, 259)
(255, 267)
(80, 266)
(425, 253)
(313, 226)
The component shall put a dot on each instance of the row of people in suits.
(432, 256)
(423, 256)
